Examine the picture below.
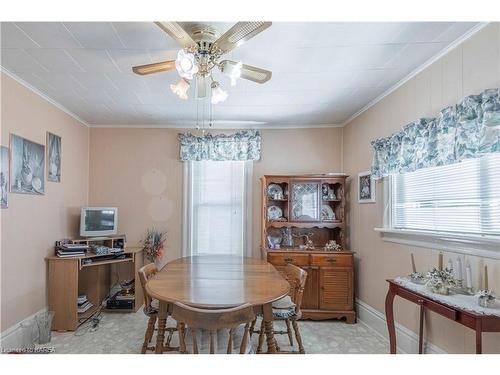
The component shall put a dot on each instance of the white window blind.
(459, 198)
(218, 195)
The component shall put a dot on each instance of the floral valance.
(466, 130)
(244, 145)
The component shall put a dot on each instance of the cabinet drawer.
(331, 260)
(284, 259)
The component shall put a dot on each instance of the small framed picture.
(27, 166)
(53, 157)
(366, 187)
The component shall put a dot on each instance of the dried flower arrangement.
(332, 245)
(153, 244)
(417, 277)
(440, 281)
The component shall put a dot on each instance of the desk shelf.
(68, 278)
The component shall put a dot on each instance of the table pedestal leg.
(268, 326)
(162, 322)
(389, 316)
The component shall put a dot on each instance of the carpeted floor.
(123, 333)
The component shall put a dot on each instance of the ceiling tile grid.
(323, 73)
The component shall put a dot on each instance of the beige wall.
(32, 223)
(468, 69)
(138, 171)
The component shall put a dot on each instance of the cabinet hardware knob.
(331, 260)
(288, 259)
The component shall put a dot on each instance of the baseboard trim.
(11, 337)
(407, 340)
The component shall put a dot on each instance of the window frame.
(470, 244)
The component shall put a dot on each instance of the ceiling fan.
(202, 49)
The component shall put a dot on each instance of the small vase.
(486, 302)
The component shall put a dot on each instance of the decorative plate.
(273, 189)
(327, 213)
(274, 213)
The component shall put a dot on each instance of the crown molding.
(440, 54)
(260, 126)
(43, 95)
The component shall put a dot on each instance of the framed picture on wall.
(366, 187)
(27, 166)
(4, 176)
(53, 157)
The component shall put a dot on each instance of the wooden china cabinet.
(300, 215)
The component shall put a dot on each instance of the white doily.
(461, 301)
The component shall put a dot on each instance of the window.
(460, 199)
(217, 213)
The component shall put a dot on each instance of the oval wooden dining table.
(218, 281)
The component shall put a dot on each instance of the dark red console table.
(478, 322)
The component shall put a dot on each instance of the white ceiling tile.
(17, 60)
(49, 34)
(56, 60)
(13, 37)
(98, 35)
(143, 35)
(94, 60)
(420, 32)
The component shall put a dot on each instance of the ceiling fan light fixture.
(236, 73)
(186, 64)
(180, 88)
(218, 94)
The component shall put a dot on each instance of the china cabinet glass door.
(305, 201)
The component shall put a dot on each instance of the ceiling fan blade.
(249, 72)
(163, 66)
(201, 87)
(237, 35)
(177, 33)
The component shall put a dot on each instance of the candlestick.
(440, 261)
(414, 269)
(450, 265)
(468, 276)
(458, 271)
(486, 277)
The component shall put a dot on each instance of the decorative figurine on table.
(332, 245)
(416, 277)
(486, 298)
(308, 243)
(440, 281)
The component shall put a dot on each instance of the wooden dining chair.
(288, 308)
(196, 319)
(151, 310)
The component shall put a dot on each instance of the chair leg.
(246, 336)
(252, 327)
(149, 333)
(297, 336)
(261, 337)
(230, 341)
(289, 331)
(182, 338)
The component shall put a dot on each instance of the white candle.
(450, 265)
(458, 271)
(468, 276)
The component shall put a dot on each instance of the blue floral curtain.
(244, 145)
(466, 130)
